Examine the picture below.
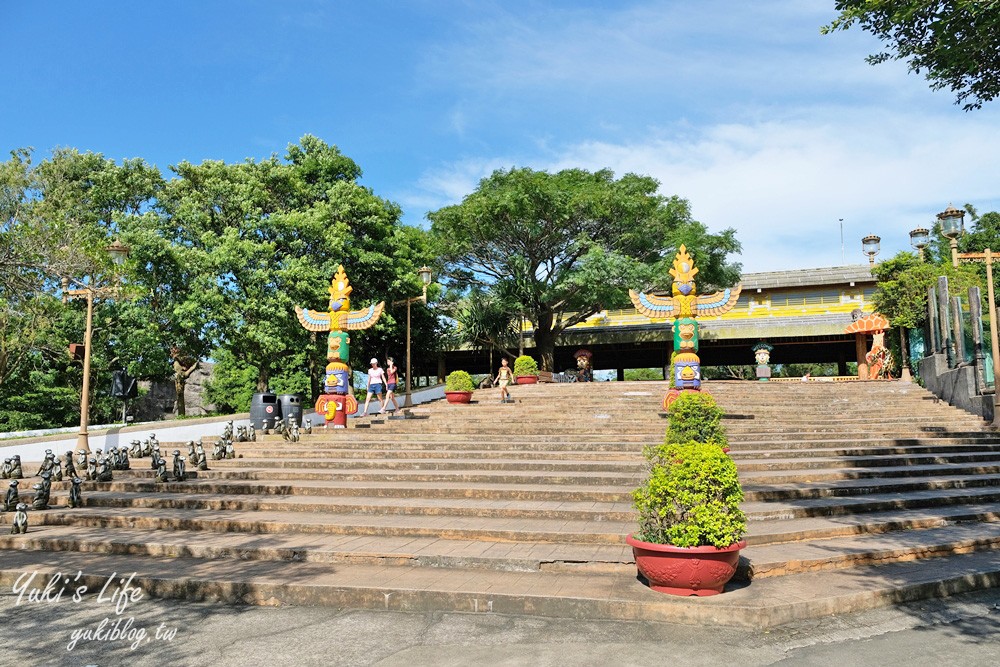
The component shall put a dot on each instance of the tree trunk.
(262, 378)
(182, 372)
(520, 337)
(313, 374)
(545, 342)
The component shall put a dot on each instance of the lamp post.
(870, 247)
(952, 226)
(425, 277)
(919, 238)
(118, 252)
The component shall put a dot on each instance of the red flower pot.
(686, 570)
(458, 396)
(526, 379)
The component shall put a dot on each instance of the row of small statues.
(287, 428)
(42, 490)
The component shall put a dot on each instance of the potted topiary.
(695, 416)
(525, 370)
(458, 387)
(691, 528)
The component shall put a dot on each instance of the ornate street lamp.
(870, 247)
(119, 252)
(919, 239)
(952, 226)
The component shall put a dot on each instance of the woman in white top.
(376, 385)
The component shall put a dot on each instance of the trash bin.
(291, 406)
(265, 407)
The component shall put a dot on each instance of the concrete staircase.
(857, 494)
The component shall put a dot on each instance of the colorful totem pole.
(338, 400)
(684, 306)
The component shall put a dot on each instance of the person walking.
(504, 377)
(376, 386)
(392, 379)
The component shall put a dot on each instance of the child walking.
(504, 377)
(392, 377)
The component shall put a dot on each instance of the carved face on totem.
(762, 355)
(338, 346)
(687, 371)
(686, 334)
(340, 292)
(338, 380)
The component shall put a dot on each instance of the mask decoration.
(683, 306)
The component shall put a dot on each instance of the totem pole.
(338, 400)
(684, 306)
(762, 353)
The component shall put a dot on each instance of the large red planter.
(458, 396)
(686, 570)
(526, 379)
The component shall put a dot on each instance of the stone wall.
(160, 399)
(955, 386)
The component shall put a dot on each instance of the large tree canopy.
(956, 43)
(564, 246)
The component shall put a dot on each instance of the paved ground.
(957, 631)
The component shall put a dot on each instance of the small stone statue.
(136, 449)
(154, 457)
(47, 483)
(81, 458)
(252, 433)
(309, 427)
(294, 434)
(69, 469)
(230, 450)
(191, 450)
(104, 471)
(41, 499)
(153, 442)
(46, 462)
(147, 448)
(92, 469)
(15, 470)
(75, 499)
(8, 465)
(57, 471)
(179, 474)
(241, 434)
(200, 459)
(219, 452)
(264, 428)
(123, 458)
(11, 499)
(161, 470)
(20, 524)
(286, 433)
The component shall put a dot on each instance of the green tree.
(956, 43)
(903, 280)
(569, 244)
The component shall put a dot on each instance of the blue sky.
(743, 108)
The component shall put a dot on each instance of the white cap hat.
(373, 361)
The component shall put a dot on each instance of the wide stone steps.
(856, 494)
(767, 602)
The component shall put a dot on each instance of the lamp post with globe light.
(870, 247)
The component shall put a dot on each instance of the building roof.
(833, 275)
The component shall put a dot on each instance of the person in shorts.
(504, 377)
(376, 386)
(392, 378)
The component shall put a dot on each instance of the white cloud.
(784, 183)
